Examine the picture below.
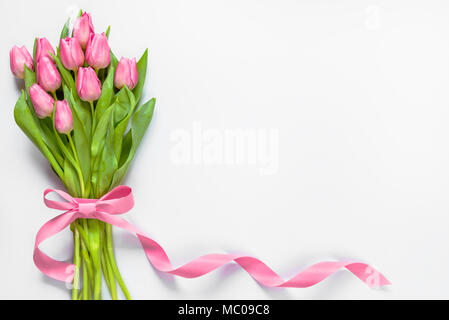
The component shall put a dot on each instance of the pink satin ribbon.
(120, 200)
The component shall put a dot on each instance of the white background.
(359, 93)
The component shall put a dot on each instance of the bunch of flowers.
(80, 107)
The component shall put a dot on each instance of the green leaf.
(65, 30)
(98, 143)
(108, 164)
(124, 104)
(82, 122)
(122, 116)
(49, 138)
(141, 71)
(131, 141)
(25, 120)
(106, 92)
(98, 138)
(34, 53)
(114, 58)
(95, 167)
(105, 163)
(71, 180)
(108, 30)
(126, 149)
(29, 79)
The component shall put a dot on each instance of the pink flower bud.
(88, 85)
(43, 103)
(47, 75)
(126, 73)
(18, 59)
(98, 54)
(82, 29)
(63, 117)
(43, 48)
(72, 56)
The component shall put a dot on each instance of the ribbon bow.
(120, 200)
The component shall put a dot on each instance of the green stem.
(77, 262)
(113, 264)
(97, 287)
(95, 231)
(92, 110)
(85, 294)
(105, 272)
(75, 72)
(86, 257)
(78, 167)
(72, 145)
(84, 234)
(109, 274)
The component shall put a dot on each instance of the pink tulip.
(72, 56)
(47, 75)
(82, 29)
(43, 49)
(63, 117)
(43, 103)
(88, 85)
(126, 73)
(98, 54)
(18, 59)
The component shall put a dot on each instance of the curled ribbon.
(120, 200)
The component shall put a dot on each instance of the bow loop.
(69, 204)
(118, 201)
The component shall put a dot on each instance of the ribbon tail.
(370, 276)
(253, 266)
(55, 269)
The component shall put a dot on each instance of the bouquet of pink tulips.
(80, 107)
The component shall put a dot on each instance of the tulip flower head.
(43, 49)
(43, 103)
(98, 54)
(63, 117)
(47, 75)
(72, 56)
(18, 59)
(126, 73)
(82, 29)
(88, 85)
